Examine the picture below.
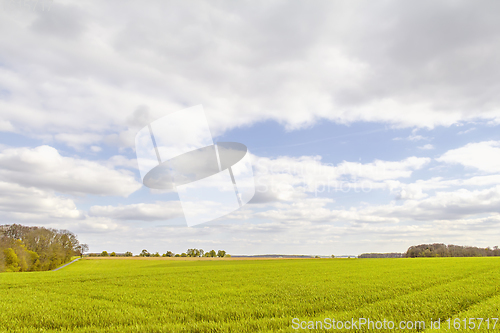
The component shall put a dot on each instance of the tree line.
(146, 253)
(443, 250)
(438, 250)
(26, 249)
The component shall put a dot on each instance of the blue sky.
(403, 116)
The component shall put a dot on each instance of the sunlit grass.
(244, 295)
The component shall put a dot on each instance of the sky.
(371, 126)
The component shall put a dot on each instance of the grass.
(165, 295)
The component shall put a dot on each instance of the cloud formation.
(95, 73)
(91, 67)
(483, 156)
(44, 168)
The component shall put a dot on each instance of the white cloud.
(121, 161)
(145, 212)
(484, 156)
(314, 210)
(413, 137)
(80, 140)
(6, 126)
(426, 147)
(411, 191)
(32, 204)
(382, 170)
(89, 225)
(289, 178)
(469, 130)
(451, 205)
(440, 183)
(43, 167)
(94, 224)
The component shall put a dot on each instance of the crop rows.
(245, 296)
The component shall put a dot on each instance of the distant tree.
(427, 253)
(144, 253)
(168, 254)
(112, 254)
(81, 249)
(332, 256)
(128, 254)
(381, 255)
(221, 253)
(183, 255)
(193, 252)
(177, 255)
(212, 253)
(156, 255)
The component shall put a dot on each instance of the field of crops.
(166, 295)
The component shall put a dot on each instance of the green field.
(168, 295)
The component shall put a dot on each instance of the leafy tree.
(183, 255)
(112, 254)
(212, 253)
(11, 260)
(128, 254)
(193, 253)
(144, 253)
(34, 260)
(104, 253)
(168, 254)
(221, 253)
(38, 248)
(156, 254)
(177, 255)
